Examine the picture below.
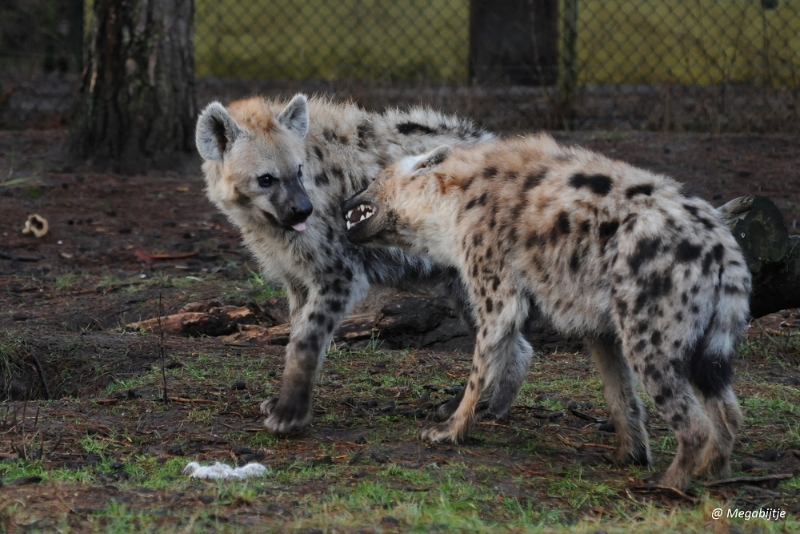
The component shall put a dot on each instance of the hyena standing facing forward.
(651, 278)
(280, 172)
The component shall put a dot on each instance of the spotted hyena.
(649, 276)
(280, 172)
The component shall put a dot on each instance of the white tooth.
(349, 213)
(348, 225)
(362, 218)
(369, 214)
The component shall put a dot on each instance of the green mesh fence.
(720, 65)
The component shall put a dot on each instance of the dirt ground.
(120, 248)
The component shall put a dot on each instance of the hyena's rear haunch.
(280, 172)
(652, 278)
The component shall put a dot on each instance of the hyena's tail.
(710, 362)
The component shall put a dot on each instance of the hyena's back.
(606, 247)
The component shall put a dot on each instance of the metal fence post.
(569, 59)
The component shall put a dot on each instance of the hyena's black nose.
(302, 209)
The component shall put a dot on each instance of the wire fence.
(669, 64)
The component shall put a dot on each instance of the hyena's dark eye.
(265, 180)
(299, 172)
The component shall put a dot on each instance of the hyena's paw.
(623, 457)
(446, 432)
(283, 419)
(444, 411)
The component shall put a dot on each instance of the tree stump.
(771, 254)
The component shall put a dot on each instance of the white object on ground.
(220, 470)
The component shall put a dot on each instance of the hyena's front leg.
(312, 330)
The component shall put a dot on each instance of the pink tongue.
(300, 227)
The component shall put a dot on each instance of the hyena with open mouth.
(280, 172)
(651, 278)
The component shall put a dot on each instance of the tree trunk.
(137, 108)
(513, 41)
(771, 254)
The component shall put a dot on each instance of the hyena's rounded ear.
(432, 158)
(295, 116)
(216, 131)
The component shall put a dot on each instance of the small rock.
(239, 385)
(156, 234)
(125, 230)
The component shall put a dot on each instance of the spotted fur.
(649, 276)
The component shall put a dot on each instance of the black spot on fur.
(533, 240)
(321, 179)
(584, 227)
(490, 172)
(607, 229)
(511, 175)
(597, 183)
(318, 153)
(687, 252)
(489, 305)
(495, 283)
(408, 128)
(477, 201)
(640, 346)
(366, 135)
(561, 228)
(642, 327)
(659, 399)
(679, 316)
(533, 179)
(337, 172)
(335, 306)
(641, 189)
(655, 339)
(467, 183)
(477, 239)
(471, 385)
(622, 307)
(646, 250)
(641, 302)
(575, 262)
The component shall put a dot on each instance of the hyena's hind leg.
(496, 343)
(511, 378)
(726, 419)
(624, 405)
(668, 385)
(505, 391)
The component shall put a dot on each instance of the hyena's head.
(254, 162)
(393, 210)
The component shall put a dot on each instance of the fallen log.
(772, 256)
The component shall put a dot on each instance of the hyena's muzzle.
(291, 204)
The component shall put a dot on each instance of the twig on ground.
(161, 348)
(587, 417)
(748, 480)
(575, 445)
(655, 488)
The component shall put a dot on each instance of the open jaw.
(359, 214)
